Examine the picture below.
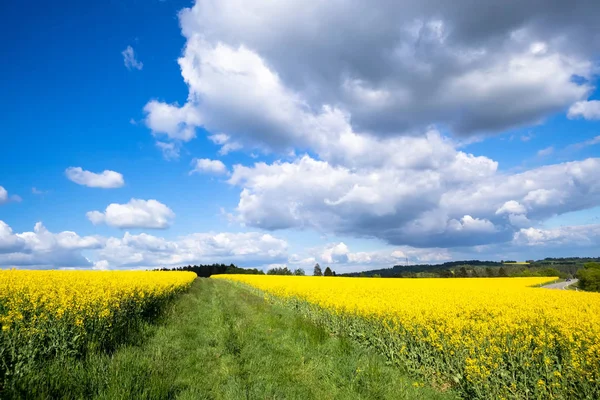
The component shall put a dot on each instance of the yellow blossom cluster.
(49, 313)
(488, 337)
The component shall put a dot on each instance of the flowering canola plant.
(486, 337)
(61, 313)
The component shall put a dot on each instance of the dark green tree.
(589, 277)
(317, 271)
(490, 272)
(299, 272)
(502, 272)
(462, 273)
(279, 271)
(328, 272)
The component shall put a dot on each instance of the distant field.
(516, 263)
(219, 341)
(485, 337)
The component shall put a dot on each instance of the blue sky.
(268, 133)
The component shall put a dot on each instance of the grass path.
(222, 342)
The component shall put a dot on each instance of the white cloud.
(511, 207)
(170, 150)
(452, 202)
(3, 195)
(205, 165)
(130, 60)
(375, 164)
(106, 179)
(456, 66)
(545, 152)
(568, 236)
(134, 214)
(5, 198)
(43, 249)
(177, 123)
(585, 109)
(340, 258)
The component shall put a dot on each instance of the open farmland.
(488, 338)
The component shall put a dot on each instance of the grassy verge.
(222, 342)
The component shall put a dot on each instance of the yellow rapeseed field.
(61, 313)
(486, 337)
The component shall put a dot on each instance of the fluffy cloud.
(106, 179)
(585, 109)
(363, 102)
(454, 202)
(129, 59)
(391, 68)
(250, 249)
(572, 236)
(177, 123)
(134, 214)
(205, 165)
(43, 249)
(339, 257)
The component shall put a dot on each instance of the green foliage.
(328, 272)
(280, 271)
(589, 277)
(317, 271)
(205, 271)
(299, 272)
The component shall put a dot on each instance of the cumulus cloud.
(207, 166)
(339, 257)
(106, 179)
(453, 203)
(130, 60)
(134, 214)
(574, 236)
(458, 66)
(43, 249)
(585, 109)
(177, 123)
(511, 207)
(364, 114)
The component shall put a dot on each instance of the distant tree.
(362, 275)
(376, 276)
(328, 272)
(502, 272)
(490, 272)
(299, 272)
(462, 273)
(446, 273)
(317, 271)
(550, 272)
(279, 271)
(589, 277)
(474, 273)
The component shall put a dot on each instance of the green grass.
(219, 341)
